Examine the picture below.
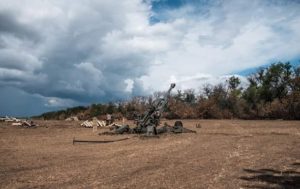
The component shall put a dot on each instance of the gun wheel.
(178, 124)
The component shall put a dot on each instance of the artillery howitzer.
(149, 123)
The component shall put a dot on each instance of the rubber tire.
(178, 124)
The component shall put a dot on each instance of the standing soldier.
(108, 119)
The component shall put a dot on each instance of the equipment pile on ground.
(9, 119)
(73, 118)
(91, 123)
(24, 123)
(28, 124)
(18, 122)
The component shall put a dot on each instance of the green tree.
(233, 82)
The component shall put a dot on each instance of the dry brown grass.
(223, 154)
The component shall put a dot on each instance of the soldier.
(108, 119)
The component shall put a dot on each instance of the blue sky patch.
(160, 7)
(294, 62)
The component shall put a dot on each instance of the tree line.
(272, 92)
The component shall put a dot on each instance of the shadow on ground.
(272, 179)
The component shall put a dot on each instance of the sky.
(62, 53)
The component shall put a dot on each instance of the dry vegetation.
(223, 154)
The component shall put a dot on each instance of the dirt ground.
(222, 154)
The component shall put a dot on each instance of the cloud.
(9, 25)
(73, 53)
(85, 51)
(58, 103)
(226, 37)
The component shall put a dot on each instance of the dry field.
(223, 154)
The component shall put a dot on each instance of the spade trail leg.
(97, 141)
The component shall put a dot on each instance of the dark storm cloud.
(77, 59)
(9, 25)
(18, 61)
(11, 59)
(15, 102)
(83, 73)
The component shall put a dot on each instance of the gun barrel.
(173, 85)
(167, 94)
(159, 106)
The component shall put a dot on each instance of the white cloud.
(233, 36)
(58, 102)
(129, 85)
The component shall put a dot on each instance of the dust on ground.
(222, 154)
